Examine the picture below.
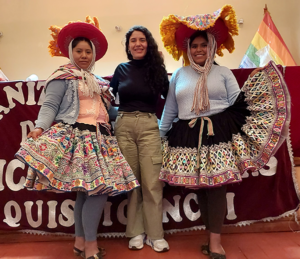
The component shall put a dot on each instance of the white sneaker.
(137, 242)
(160, 245)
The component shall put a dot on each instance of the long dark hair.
(155, 68)
(202, 34)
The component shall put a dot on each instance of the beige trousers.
(138, 138)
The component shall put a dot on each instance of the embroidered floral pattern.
(68, 159)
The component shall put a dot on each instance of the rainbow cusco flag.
(267, 45)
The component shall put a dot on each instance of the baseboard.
(287, 224)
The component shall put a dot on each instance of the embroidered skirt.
(217, 150)
(77, 157)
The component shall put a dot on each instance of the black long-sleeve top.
(134, 95)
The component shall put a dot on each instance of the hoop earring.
(128, 52)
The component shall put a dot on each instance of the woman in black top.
(140, 83)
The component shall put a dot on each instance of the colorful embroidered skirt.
(76, 157)
(246, 135)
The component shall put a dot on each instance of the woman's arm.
(55, 92)
(165, 86)
(232, 87)
(170, 110)
(113, 112)
(114, 82)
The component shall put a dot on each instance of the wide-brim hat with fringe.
(88, 29)
(176, 30)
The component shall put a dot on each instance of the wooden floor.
(274, 245)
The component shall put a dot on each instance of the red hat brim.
(82, 29)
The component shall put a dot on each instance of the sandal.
(216, 256)
(205, 249)
(96, 256)
(78, 252)
(102, 251)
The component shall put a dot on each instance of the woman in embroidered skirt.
(222, 131)
(78, 153)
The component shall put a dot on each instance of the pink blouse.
(91, 110)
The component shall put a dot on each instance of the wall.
(25, 23)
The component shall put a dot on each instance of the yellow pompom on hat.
(62, 36)
(176, 30)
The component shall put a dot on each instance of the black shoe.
(205, 249)
(78, 252)
(216, 256)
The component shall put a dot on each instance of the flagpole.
(266, 9)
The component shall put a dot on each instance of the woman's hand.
(35, 133)
(255, 71)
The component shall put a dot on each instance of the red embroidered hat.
(89, 29)
(176, 30)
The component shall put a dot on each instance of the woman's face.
(199, 50)
(83, 54)
(138, 45)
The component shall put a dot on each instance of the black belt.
(83, 126)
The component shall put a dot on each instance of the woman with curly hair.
(139, 83)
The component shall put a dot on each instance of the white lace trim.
(171, 231)
(92, 111)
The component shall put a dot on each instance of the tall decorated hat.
(175, 31)
(62, 36)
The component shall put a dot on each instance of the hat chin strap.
(89, 84)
